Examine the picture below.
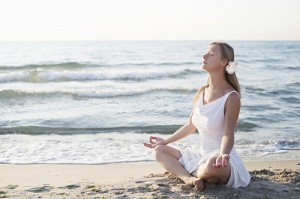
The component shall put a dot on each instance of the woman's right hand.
(154, 141)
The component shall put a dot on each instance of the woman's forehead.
(213, 48)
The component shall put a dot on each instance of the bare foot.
(195, 182)
(199, 185)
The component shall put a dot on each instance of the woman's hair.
(227, 52)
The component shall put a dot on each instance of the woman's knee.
(207, 170)
(210, 173)
(159, 151)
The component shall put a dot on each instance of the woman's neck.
(217, 81)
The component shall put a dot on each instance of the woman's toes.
(199, 185)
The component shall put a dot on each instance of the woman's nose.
(204, 56)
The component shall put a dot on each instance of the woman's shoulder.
(232, 92)
(233, 98)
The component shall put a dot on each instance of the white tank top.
(209, 120)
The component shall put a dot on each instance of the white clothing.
(209, 120)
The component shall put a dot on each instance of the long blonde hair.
(227, 52)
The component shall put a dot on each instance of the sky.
(65, 20)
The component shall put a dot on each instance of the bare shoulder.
(233, 100)
(234, 95)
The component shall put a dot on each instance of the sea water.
(96, 102)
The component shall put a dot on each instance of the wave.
(293, 100)
(278, 144)
(157, 64)
(260, 108)
(287, 144)
(41, 130)
(6, 94)
(293, 85)
(246, 126)
(63, 65)
(279, 92)
(250, 89)
(149, 129)
(292, 68)
(267, 60)
(41, 76)
(91, 93)
(288, 89)
(73, 65)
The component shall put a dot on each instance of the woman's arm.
(232, 110)
(182, 132)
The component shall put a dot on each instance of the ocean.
(96, 102)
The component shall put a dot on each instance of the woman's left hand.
(222, 161)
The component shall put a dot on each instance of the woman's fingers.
(153, 138)
(216, 164)
(224, 162)
(148, 145)
(221, 162)
(154, 141)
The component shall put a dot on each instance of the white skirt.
(239, 176)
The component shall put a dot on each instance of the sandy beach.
(273, 179)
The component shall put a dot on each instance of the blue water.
(96, 102)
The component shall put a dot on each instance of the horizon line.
(153, 40)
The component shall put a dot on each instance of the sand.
(273, 179)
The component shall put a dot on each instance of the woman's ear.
(224, 62)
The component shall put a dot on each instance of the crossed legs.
(169, 157)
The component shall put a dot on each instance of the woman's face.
(212, 59)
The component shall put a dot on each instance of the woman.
(214, 115)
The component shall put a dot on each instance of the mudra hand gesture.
(222, 161)
(154, 141)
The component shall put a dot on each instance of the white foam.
(97, 88)
(105, 73)
(83, 149)
(13, 76)
(100, 148)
